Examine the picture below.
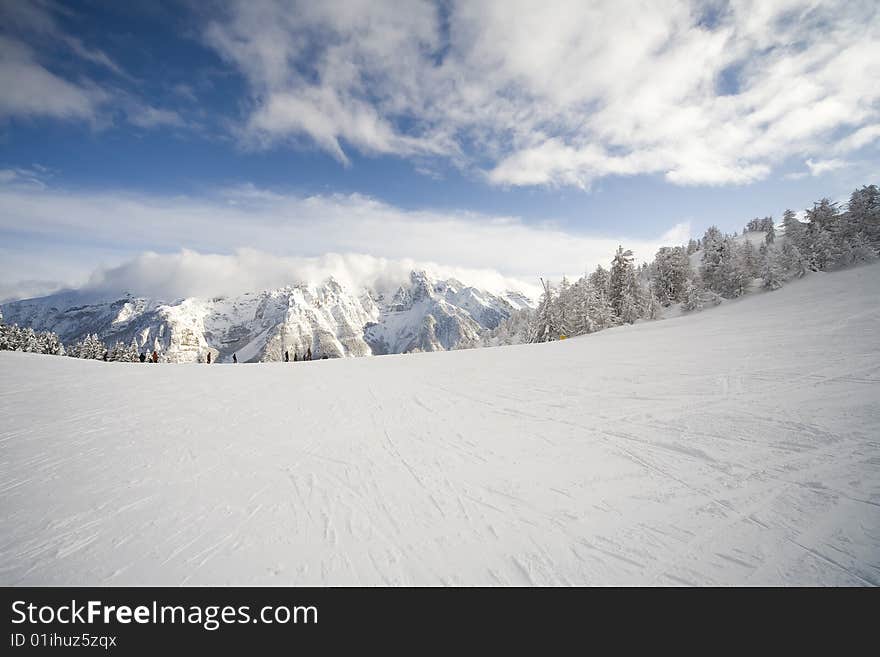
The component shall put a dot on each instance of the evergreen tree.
(565, 308)
(692, 297)
(29, 342)
(92, 347)
(600, 279)
(822, 217)
(748, 259)
(630, 309)
(723, 270)
(653, 308)
(824, 251)
(864, 213)
(623, 289)
(795, 231)
(601, 311)
(793, 261)
(671, 271)
(712, 258)
(772, 271)
(585, 295)
(545, 328)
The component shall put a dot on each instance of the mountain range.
(334, 321)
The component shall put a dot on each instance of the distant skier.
(234, 358)
(286, 356)
(209, 358)
(155, 357)
(143, 357)
(295, 356)
(308, 354)
(106, 356)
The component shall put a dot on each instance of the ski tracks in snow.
(737, 446)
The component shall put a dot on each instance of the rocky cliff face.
(422, 315)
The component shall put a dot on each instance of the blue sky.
(516, 139)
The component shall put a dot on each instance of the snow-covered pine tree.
(712, 234)
(630, 309)
(671, 270)
(861, 250)
(692, 298)
(545, 328)
(623, 288)
(600, 279)
(824, 251)
(29, 343)
(793, 261)
(711, 258)
(50, 344)
(565, 308)
(723, 270)
(864, 213)
(772, 271)
(795, 231)
(87, 348)
(73, 349)
(823, 216)
(653, 307)
(601, 312)
(8, 337)
(697, 296)
(582, 292)
(116, 352)
(92, 347)
(749, 259)
(516, 329)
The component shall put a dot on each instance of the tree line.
(831, 236)
(24, 338)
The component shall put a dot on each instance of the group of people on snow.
(152, 358)
(306, 356)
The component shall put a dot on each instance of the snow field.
(740, 445)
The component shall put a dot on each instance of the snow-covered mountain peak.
(330, 319)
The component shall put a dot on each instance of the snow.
(734, 446)
(259, 326)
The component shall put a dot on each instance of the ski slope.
(740, 445)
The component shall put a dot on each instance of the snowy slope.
(735, 446)
(425, 314)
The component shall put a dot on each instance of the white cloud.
(29, 89)
(27, 289)
(78, 48)
(562, 92)
(858, 139)
(189, 273)
(145, 116)
(23, 177)
(818, 167)
(275, 227)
